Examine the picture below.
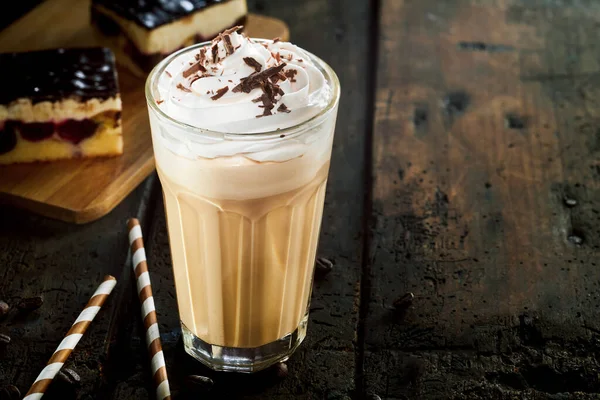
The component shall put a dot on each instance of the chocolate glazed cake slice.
(57, 104)
(142, 32)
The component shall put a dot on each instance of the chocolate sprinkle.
(251, 61)
(255, 79)
(214, 50)
(181, 87)
(278, 77)
(168, 74)
(267, 99)
(283, 108)
(193, 69)
(159, 101)
(220, 93)
(233, 29)
(291, 73)
(277, 39)
(228, 46)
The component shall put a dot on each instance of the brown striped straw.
(71, 339)
(144, 288)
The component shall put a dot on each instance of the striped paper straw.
(71, 339)
(140, 267)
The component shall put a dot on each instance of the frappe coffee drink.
(242, 131)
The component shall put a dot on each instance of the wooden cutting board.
(84, 190)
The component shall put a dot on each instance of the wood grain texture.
(324, 365)
(63, 263)
(84, 190)
(486, 119)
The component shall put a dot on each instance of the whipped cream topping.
(239, 85)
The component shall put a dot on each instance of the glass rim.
(191, 129)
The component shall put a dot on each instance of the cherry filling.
(75, 131)
(71, 130)
(8, 137)
(36, 131)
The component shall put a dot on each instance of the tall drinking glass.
(243, 229)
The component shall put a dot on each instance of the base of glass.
(238, 359)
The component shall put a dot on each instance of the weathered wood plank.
(486, 118)
(63, 263)
(324, 365)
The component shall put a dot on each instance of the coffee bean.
(199, 383)
(575, 239)
(323, 266)
(30, 303)
(404, 301)
(69, 376)
(4, 309)
(9, 392)
(281, 370)
(570, 202)
(4, 339)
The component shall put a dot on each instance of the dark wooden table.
(466, 170)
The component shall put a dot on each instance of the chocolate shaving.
(277, 39)
(159, 101)
(220, 93)
(168, 74)
(233, 29)
(278, 77)
(195, 78)
(214, 50)
(291, 73)
(193, 69)
(251, 61)
(283, 108)
(228, 46)
(266, 112)
(181, 87)
(255, 79)
(268, 99)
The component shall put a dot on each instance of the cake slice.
(57, 104)
(142, 32)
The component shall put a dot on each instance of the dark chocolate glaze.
(151, 14)
(51, 75)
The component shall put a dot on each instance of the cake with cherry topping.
(142, 32)
(59, 104)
